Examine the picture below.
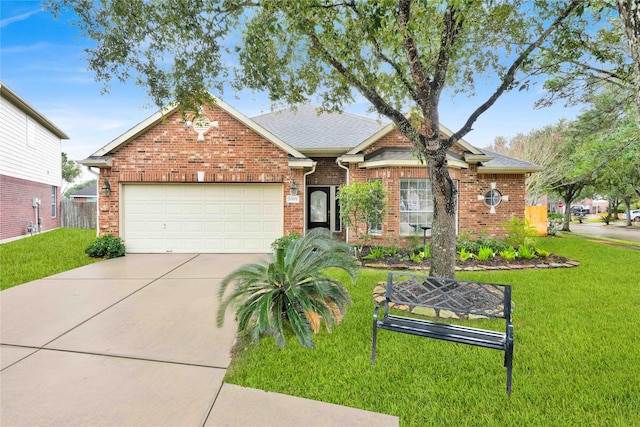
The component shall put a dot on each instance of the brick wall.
(473, 214)
(16, 206)
(169, 152)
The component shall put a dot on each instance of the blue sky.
(42, 59)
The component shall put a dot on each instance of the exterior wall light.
(293, 190)
(106, 189)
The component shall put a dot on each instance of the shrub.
(426, 253)
(291, 291)
(542, 253)
(554, 223)
(508, 254)
(518, 231)
(484, 253)
(464, 255)
(526, 252)
(106, 246)
(416, 258)
(284, 241)
(377, 252)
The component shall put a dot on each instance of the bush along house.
(220, 182)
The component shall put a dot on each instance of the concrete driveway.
(133, 342)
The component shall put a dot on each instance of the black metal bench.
(452, 299)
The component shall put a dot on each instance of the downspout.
(346, 168)
(304, 189)
(97, 174)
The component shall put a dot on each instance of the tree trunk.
(568, 198)
(627, 206)
(443, 229)
(630, 15)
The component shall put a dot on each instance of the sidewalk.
(133, 342)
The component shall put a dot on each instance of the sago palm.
(290, 289)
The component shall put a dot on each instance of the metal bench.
(449, 298)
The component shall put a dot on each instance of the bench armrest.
(384, 304)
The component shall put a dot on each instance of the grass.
(576, 353)
(44, 254)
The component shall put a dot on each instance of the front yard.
(575, 363)
(576, 351)
(44, 254)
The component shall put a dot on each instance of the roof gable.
(391, 127)
(156, 118)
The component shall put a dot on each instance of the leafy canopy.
(401, 56)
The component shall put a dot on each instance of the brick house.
(221, 182)
(30, 167)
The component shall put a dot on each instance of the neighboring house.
(30, 167)
(87, 194)
(221, 182)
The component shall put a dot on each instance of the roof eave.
(507, 171)
(477, 158)
(300, 163)
(24, 106)
(351, 158)
(100, 162)
(323, 152)
(454, 163)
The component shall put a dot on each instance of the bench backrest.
(466, 296)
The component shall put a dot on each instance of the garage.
(201, 218)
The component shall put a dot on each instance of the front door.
(318, 207)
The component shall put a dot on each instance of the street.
(619, 232)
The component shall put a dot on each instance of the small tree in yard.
(362, 205)
(290, 291)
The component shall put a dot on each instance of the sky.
(43, 60)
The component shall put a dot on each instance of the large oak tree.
(402, 56)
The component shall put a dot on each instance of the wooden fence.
(79, 215)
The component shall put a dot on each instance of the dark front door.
(318, 203)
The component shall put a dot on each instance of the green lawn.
(44, 254)
(577, 353)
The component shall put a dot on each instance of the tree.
(541, 147)
(75, 188)
(291, 289)
(401, 56)
(630, 16)
(361, 205)
(70, 169)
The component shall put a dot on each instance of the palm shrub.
(291, 290)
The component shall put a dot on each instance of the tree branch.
(370, 94)
(508, 79)
(413, 57)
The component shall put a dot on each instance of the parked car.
(579, 210)
(635, 215)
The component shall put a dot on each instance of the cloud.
(26, 48)
(8, 21)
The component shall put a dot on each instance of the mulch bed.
(398, 262)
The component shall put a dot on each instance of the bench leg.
(508, 363)
(374, 343)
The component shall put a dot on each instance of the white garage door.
(201, 218)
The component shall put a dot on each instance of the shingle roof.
(505, 162)
(89, 191)
(305, 129)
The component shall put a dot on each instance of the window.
(492, 198)
(54, 201)
(416, 205)
(375, 228)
